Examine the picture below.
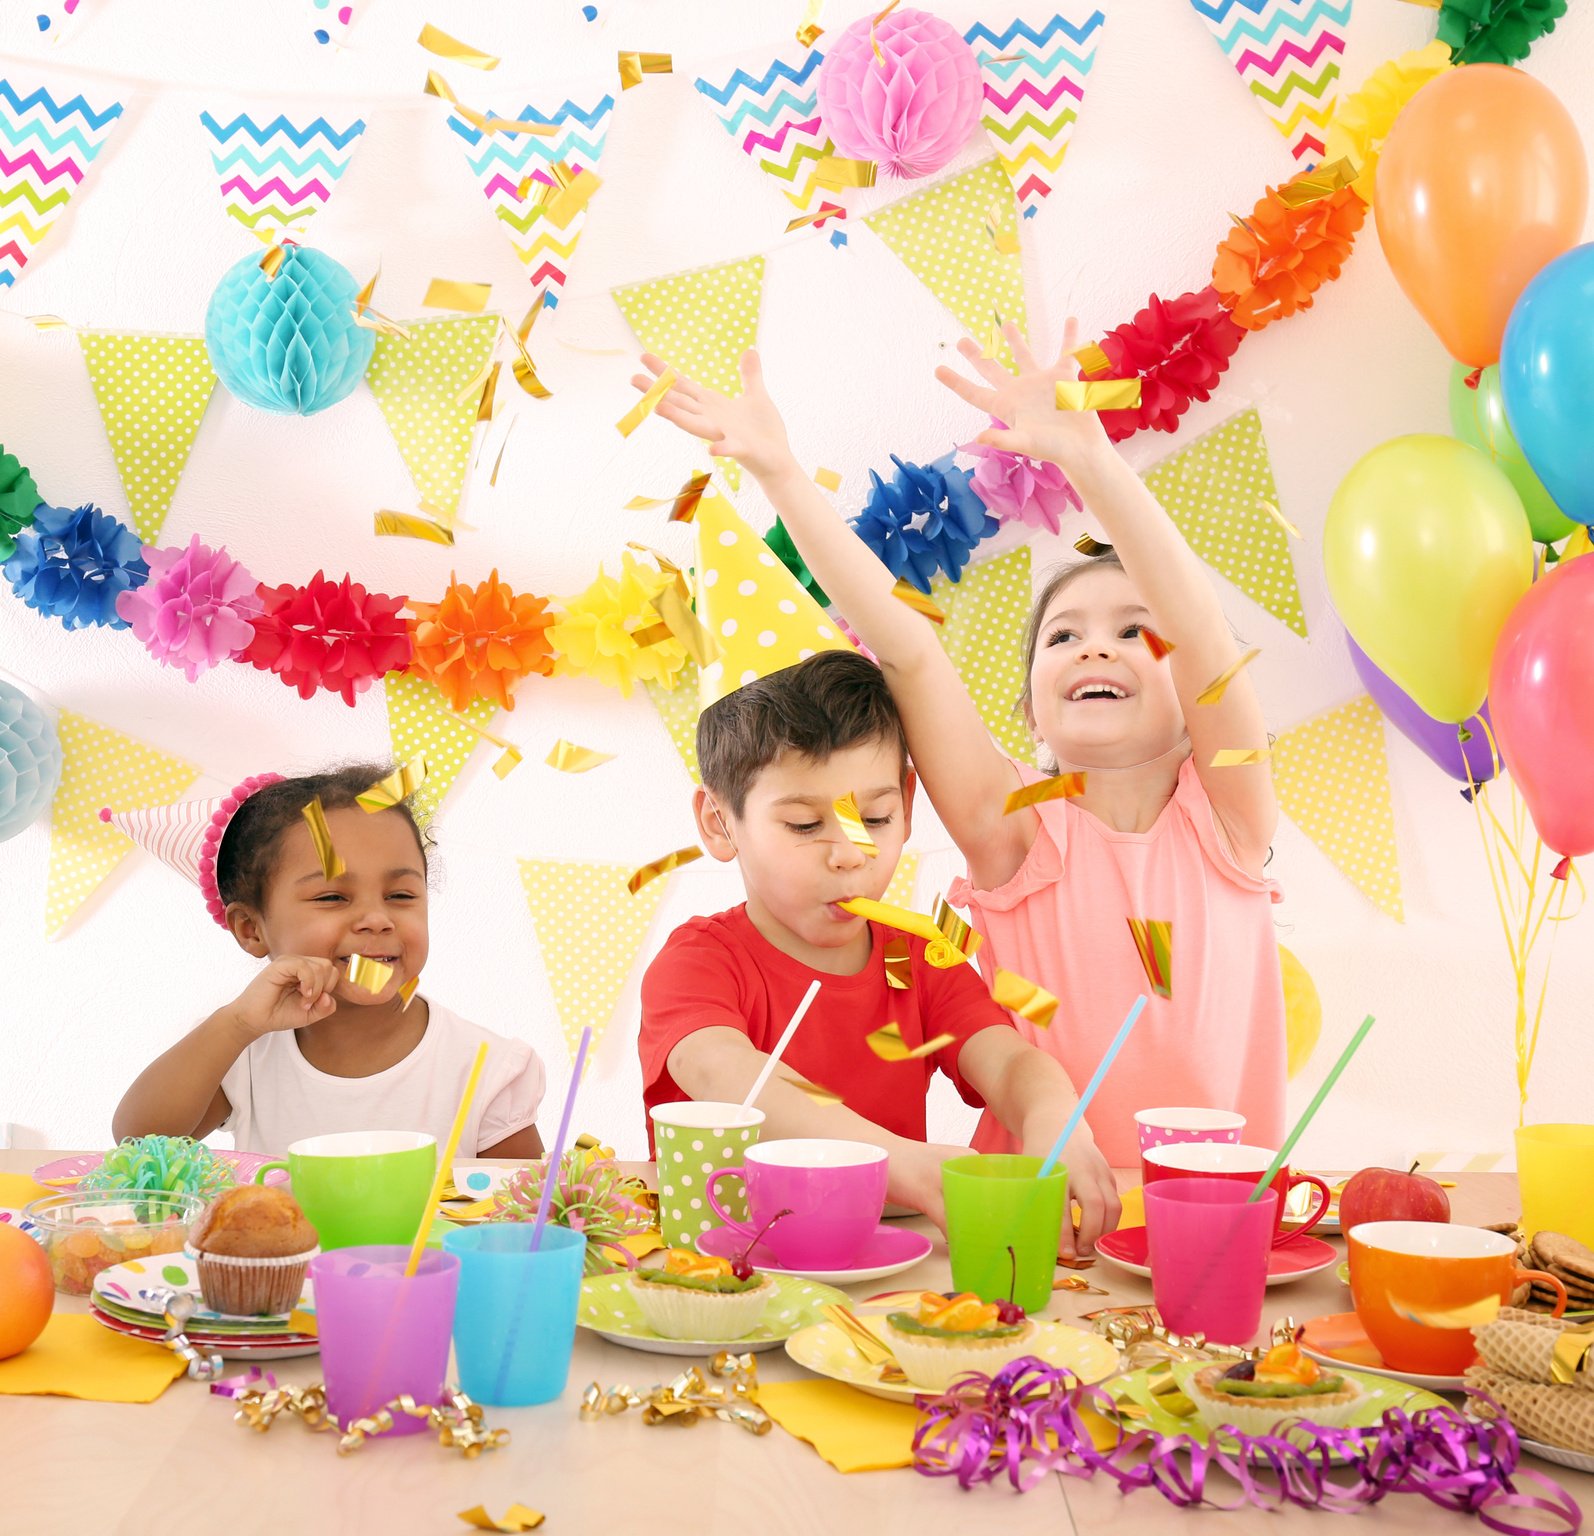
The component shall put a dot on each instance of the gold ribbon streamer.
(407, 992)
(645, 407)
(1320, 182)
(633, 66)
(1060, 786)
(315, 816)
(817, 216)
(685, 626)
(1240, 757)
(808, 29)
(1090, 547)
(406, 525)
(460, 1423)
(483, 122)
(516, 1519)
(567, 757)
(729, 1392)
(1029, 1000)
(899, 964)
(368, 974)
(1098, 394)
(942, 949)
(682, 505)
(851, 819)
(467, 298)
(669, 863)
(435, 40)
(398, 786)
(1154, 943)
(1214, 690)
(837, 173)
(1091, 358)
(905, 591)
(887, 1043)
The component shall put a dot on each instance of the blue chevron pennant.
(46, 148)
(275, 177)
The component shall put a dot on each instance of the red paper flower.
(478, 642)
(329, 634)
(1178, 349)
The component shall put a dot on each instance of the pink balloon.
(1541, 695)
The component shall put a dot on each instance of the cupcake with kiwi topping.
(956, 1332)
(1253, 1395)
(696, 1296)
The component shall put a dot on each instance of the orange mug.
(1401, 1271)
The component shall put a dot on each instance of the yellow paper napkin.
(851, 1430)
(76, 1357)
(1134, 1208)
(20, 1189)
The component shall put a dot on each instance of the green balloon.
(1477, 417)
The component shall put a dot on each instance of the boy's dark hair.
(825, 704)
(248, 850)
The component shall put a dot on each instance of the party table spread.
(181, 1464)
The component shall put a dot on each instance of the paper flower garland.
(329, 634)
(289, 342)
(590, 1196)
(923, 520)
(1363, 119)
(30, 761)
(781, 546)
(18, 497)
(177, 1164)
(73, 564)
(195, 609)
(1019, 489)
(1496, 31)
(595, 635)
(478, 642)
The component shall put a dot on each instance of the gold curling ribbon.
(1320, 182)
(919, 602)
(1271, 508)
(874, 42)
(1090, 547)
(397, 787)
(1159, 648)
(408, 991)
(271, 262)
(516, 1519)
(827, 479)
(484, 122)
(645, 407)
(467, 298)
(1098, 394)
(682, 505)
(492, 479)
(367, 974)
(821, 1096)
(567, 757)
(315, 816)
(851, 819)
(817, 216)
(667, 865)
(1029, 1000)
(728, 1392)
(899, 964)
(887, 1043)
(435, 40)
(1091, 358)
(1239, 757)
(406, 525)
(1059, 786)
(837, 173)
(634, 65)
(1154, 943)
(1214, 690)
(524, 369)
(368, 319)
(1570, 1354)
(460, 1423)
(489, 399)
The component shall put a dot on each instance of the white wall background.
(1168, 142)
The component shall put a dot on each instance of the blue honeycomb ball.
(288, 343)
(30, 760)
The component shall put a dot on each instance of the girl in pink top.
(1159, 833)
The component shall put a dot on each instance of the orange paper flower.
(1270, 266)
(478, 642)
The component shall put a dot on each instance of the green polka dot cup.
(693, 1140)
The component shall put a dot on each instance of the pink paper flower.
(1019, 489)
(195, 609)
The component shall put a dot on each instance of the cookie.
(1554, 1250)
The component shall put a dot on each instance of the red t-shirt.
(721, 970)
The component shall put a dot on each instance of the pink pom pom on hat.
(186, 835)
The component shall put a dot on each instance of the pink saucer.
(890, 1251)
(1293, 1260)
(66, 1172)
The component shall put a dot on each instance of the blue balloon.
(30, 760)
(288, 343)
(1547, 379)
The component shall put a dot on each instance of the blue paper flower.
(925, 519)
(73, 565)
(30, 760)
(288, 343)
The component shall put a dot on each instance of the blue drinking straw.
(1091, 1087)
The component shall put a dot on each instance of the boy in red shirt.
(775, 755)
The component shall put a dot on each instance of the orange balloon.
(1482, 181)
(27, 1291)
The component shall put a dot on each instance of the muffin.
(695, 1296)
(1252, 1396)
(252, 1246)
(953, 1333)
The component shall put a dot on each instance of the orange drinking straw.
(445, 1162)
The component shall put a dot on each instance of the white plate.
(231, 1350)
(11, 1216)
(609, 1310)
(1578, 1461)
(137, 1284)
(477, 1181)
(888, 1252)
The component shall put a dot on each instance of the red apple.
(1386, 1194)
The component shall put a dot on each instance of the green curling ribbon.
(177, 1164)
(1496, 31)
(785, 551)
(18, 497)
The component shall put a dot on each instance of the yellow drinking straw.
(445, 1162)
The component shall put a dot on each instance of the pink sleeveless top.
(1062, 921)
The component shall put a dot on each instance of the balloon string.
(1544, 987)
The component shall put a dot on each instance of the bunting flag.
(942, 236)
(1303, 1012)
(419, 720)
(590, 929)
(1034, 88)
(1220, 491)
(678, 710)
(46, 148)
(100, 768)
(152, 392)
(275, 177)
(904, 883)
(983, 612)
(511, 166)
(700, 323)
(1332, 778)
(422, 384)
(775, 119)
(1288, 53)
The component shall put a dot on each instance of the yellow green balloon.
(1477, 417)
(1303, 1012)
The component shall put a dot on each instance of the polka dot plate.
(135, 1288)
(610, 1310)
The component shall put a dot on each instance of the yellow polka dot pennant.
(100, 767)
(904, 883)
(419, 720)
(678, 710)
(1332, 777)
(418, 384)
(590, 929)
(1218, 490)
(941, 236)
(152, 392)
(984, 611)
(1303, 1011)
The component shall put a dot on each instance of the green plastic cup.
(1003, 1224)
(692, 1140)
(359, 1187)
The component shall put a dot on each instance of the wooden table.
(181, 1465)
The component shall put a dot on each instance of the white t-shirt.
(278, 1098)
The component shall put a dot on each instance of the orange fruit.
(26, 1291)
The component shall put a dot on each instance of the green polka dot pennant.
(419, 720)
(678, 710)
(985, 614)
(152, 392)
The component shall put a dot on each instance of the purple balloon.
(1438, 739)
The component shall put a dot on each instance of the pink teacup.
(1240, 1164)
(1169, 1127)
(835, 1192)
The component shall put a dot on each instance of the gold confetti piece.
(1239, 757)
(634, 65)
(1154, 943)
(645, 407)
(435, 40)
(682, 505)
(1060, 786)
(685, 626)
(518, 1517)
(1214, 690)
(664, 866)
(1473, 1314)
(899, 964)
(851, 819)
(1091, 547)
(956, 931)
(827, 479)
(837, 173)
(1003, 235)
(1320, 182)
(492, 479)
(1569, 1354)
(1158, 647)
(906, 592)
(808, 29)
(47, 322)
(467, 298)
(523, 330)
(1271, 508)
(408, 991)
(525, 372)
(508, 761)
(821, 1096)
(397, 787)
(567, 757)
(817, 216)
(436, 85)
(367, 974)
(405, 525)
(1091, 358)
(570, 200)
(315, 816)
(484, 411)
(887, 1043)
(271, 262)
(652, 634)
(1030, 1001)
(1098, 394)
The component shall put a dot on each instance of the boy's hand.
(915, 1178)
(291, 992)
(747, 428)
(1092, 1188)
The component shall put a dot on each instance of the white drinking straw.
(780, 1046)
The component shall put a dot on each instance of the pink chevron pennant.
(276, 176)
(1034, 87)
(1288, 54)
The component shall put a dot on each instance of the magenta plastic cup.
(1209, 1251)
(382, 1334)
